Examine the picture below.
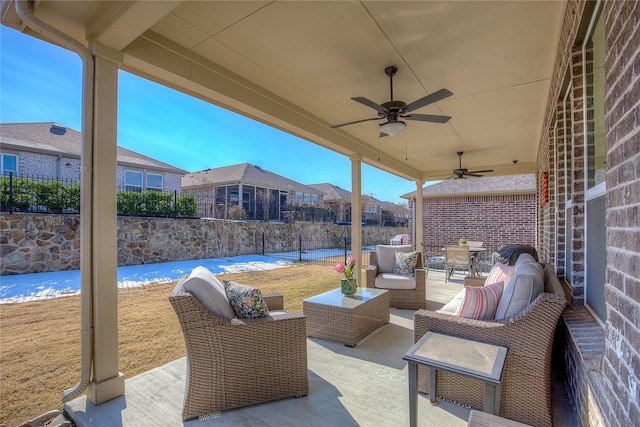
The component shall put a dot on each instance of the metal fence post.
(10, 192)
(300, 247)
(263, 244)
(175, 203)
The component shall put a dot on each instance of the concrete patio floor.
(361, 386)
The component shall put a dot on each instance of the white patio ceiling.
(295, 65)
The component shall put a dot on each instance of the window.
(249, 200)
(133, 181)
(154, 181)
(8, 163)
(595, 168)
(595, 132)
(233, 194)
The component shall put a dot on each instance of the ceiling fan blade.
(429, 99)
(370, 103)
(472, 174)
(354, 122)
(482, 171)
(427, 118)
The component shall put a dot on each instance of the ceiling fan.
(393, 111)
(462, 173)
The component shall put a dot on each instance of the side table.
(461, 356)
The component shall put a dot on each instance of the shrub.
(187, 205)
(237, 212)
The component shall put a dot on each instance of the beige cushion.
(395, 281)
(209, 291)
(387, 256)
(524, 258)
(452, 306)
(525, 285)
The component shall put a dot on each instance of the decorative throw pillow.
(405, 263)
(480, 303)
(246, 301)
(500, 273)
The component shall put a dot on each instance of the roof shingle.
(485, 186)
(52, 138)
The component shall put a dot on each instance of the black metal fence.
(38, 194)
(20, 193)
(302, 249)
(46, 195)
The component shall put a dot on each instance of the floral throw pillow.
(405, 263)
(246, 301)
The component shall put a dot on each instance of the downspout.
(86, 138)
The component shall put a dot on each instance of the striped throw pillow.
(480, 303)
(500, 273)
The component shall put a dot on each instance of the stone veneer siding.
(33, 243)
(602, 362)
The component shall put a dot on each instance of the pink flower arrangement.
(346, 268)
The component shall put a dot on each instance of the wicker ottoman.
(347, 320)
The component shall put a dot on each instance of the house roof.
(244, 173)
(486, 186)
(52, 138)
(333, 192)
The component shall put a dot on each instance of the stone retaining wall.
(33, 243)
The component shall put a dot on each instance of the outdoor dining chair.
(456, 256)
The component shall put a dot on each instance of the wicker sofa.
(408, 292)
(528, 335)
(235, 362)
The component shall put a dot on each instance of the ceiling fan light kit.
(392, 128)
(392, 110)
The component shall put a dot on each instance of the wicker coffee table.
(347, 320)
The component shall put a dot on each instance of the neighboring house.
(337, 200)
(50, 151)
(374, 211)
(495, 210)
(262, 194)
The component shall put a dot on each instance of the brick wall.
(621, 366)
(602, 361)
(494, 220)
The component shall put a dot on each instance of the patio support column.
(418, 219)
(106, 382)
(356, 214)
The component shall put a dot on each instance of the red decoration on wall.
(544, 189)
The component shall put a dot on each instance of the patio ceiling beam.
(120, 23)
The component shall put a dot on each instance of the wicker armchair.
(240, 362)
(528, 335)
(414, 298)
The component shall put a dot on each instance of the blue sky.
(40, 82)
